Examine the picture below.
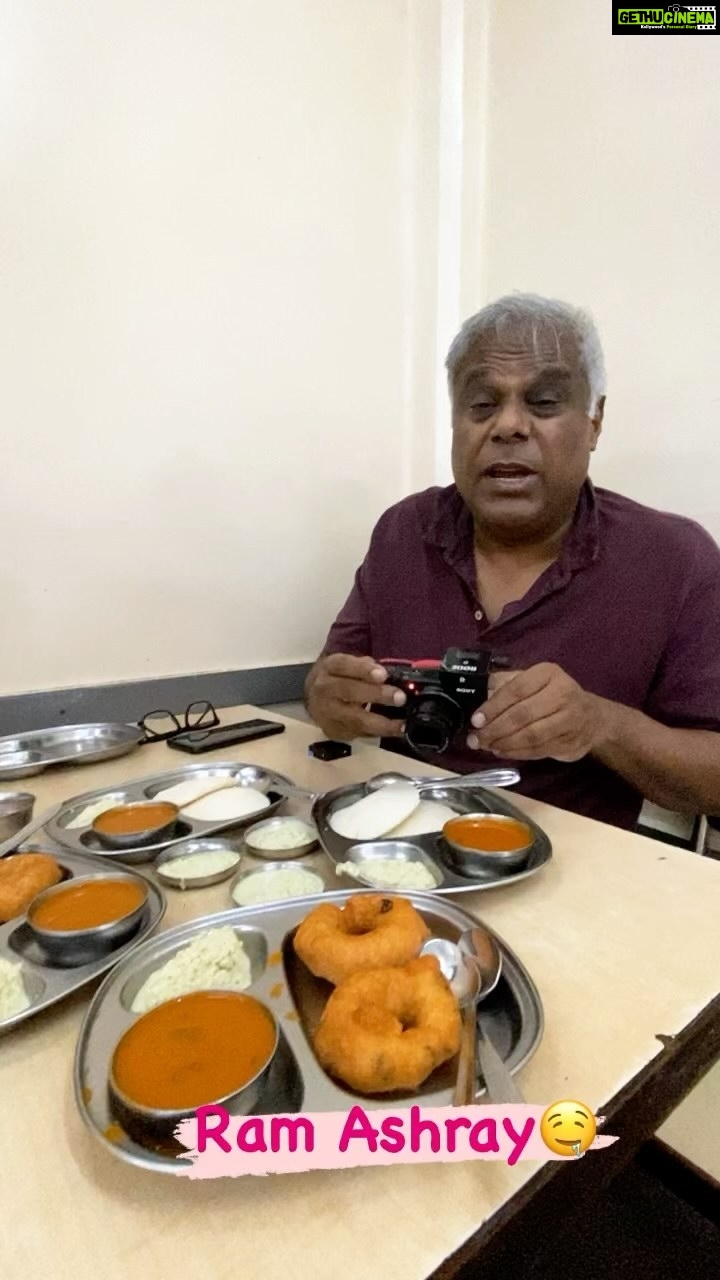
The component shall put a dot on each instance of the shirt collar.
(451, 529)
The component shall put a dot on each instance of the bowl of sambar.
(205, 1048)
(486, 843)
(127, 826)
(81, 919)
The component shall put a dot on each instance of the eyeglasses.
(160, 726)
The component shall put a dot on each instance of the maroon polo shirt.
(630, 609)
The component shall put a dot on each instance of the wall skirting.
(128, 702)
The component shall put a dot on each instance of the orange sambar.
(84, 906)
(193, 1050)
(133, 819)
(489, 834)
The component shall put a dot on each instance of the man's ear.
(597, 421)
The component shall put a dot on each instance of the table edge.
(634, 1113)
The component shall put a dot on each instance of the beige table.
(621, 936)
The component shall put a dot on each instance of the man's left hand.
(538, 713)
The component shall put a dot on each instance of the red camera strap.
(426, 664)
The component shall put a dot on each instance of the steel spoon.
(465, 983)
(9, 846)
(459, 782)
(482, 949)
(478, 953)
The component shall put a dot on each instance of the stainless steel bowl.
(199, 846)
(16, 810)
(157, 1125)
(148, 835)
(268, 871)
(81, 946)
(478, 863)
(282, 851)
(362, 856)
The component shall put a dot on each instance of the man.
(607, 610)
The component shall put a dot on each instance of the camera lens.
(432, 722)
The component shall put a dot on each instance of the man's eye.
(482, 406)
(544, 402)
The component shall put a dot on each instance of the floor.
(640, 1230)
(693, 1129)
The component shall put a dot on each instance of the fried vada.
(22, 877)
(389, 1029)
(370, 932)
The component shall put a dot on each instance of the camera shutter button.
(479, 615)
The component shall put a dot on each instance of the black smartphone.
(197, 741)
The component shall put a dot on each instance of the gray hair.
(536, 316)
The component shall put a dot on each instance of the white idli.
(429, 817)
(184, 793)
(87, 816)
(225, 805)
(13, 996)
(377, 813)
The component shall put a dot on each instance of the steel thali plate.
(45, 981)
(83, 839)
(24, 754)
(432, 848)
(512, 1013)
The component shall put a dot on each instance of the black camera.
(441, 696)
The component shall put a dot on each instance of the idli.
(429, 817)
(228, 804)
(87, 816)
(377, 813)
(184, 793)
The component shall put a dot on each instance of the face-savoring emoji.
(568, 1128)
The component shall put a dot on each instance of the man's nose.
(512, 420)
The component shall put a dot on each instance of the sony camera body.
(441, 696)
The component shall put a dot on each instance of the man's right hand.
(339, 689)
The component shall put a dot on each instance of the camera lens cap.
(328, 750)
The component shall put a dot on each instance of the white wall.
(217, 228)
(235, 241)
(600, 184)
(603, 187)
